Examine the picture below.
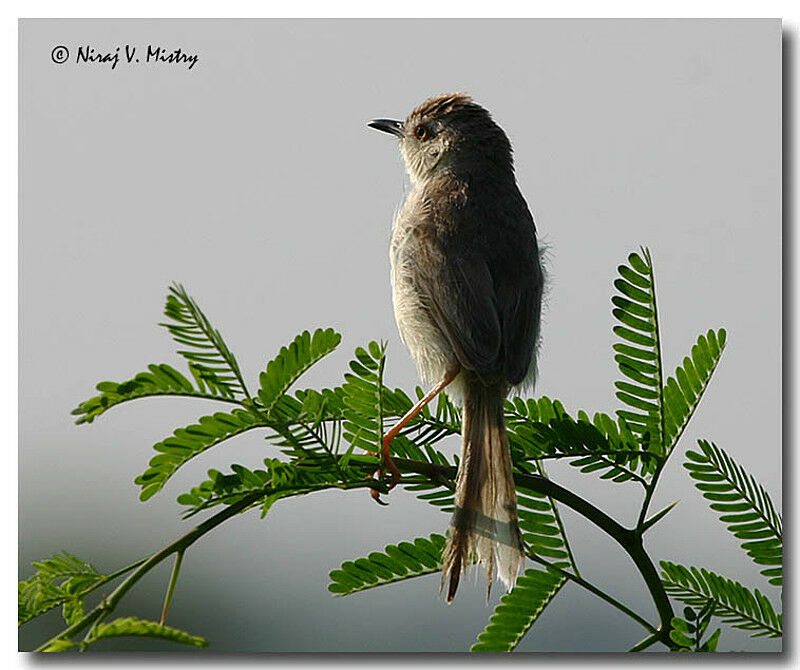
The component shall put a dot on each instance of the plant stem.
(628, 539)
(173, 580)
(659, 364)
(649, 641)
(648, 496)
(660, 379)
(381, 364)
(561, 527)
(179, 545)
(598, 592)
(113, 576)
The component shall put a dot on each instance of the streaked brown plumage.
(467, 288)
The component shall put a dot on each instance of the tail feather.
(484, 525)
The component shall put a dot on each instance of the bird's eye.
(421, 132)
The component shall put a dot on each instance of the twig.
(180, 544)
(173, 580)
(598, 592)
(628, 539)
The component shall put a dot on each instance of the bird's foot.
(389, 464)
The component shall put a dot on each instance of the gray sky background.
(253, 180)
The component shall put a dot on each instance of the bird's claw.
(376, 496)
(390, 465)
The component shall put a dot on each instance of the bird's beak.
(388, 126)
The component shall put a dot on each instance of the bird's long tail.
(484, 525)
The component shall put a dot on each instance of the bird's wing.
(460, 297)
(518, 284)
(483, 286)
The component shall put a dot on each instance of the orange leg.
(410, 414)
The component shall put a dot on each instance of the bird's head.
(452, 133)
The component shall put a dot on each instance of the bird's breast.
(428, 346)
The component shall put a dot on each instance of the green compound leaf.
(186, 443)
(680, 634)
(710, 644)
(72, 611)
(209, 431)
(292, 361)
(159, 380)
(396, 563)
(743, 505)
(733, 603)
(539, 527)
(541, 429)
(638, 350)
(225, 489)
(518, 610)
(437, 492)
(60, 580)
(65, 565)
(688, 633)
(368, 403)
(24, 611)
(279, 480)
(544, 538)
(133, 627)
(308, 424)
(683, 391)
(363, 398)
(211, 362)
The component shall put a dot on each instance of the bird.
(467, 283)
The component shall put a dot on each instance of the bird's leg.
(386, 457)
